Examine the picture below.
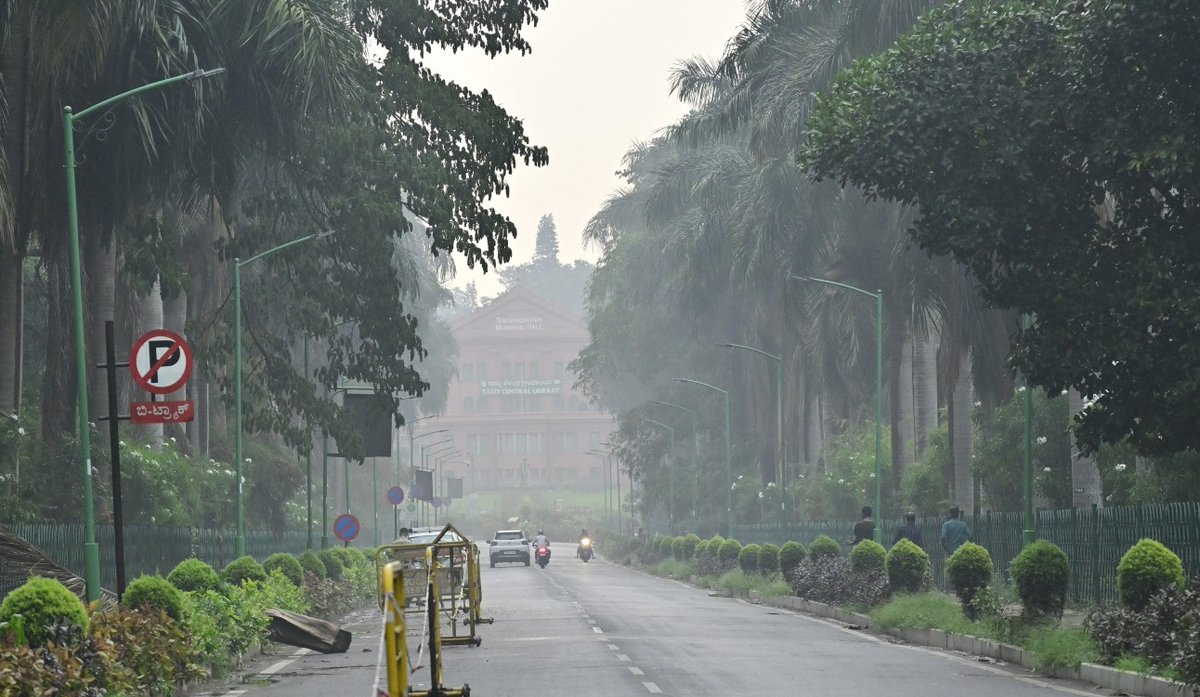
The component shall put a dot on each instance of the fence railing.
(148, 549)
(1094, 539)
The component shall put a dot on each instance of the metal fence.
(1094, 539)
(148, 549)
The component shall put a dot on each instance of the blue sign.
(436, 501)
(395, 496)
(345, 527)
(418, 491)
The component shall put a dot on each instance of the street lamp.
(695, 452)
(878, 295)
(239, 545)
(1030, 531)
(670, 473)
(728, 457)
(91, 550)
(607, 484)
(428, 451)
(437, 478)
(780, 443)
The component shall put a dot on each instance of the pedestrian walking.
(910, 531)
(865, 528)
(955, 532)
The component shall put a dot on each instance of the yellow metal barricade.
(475, 588)
(433, 617)
(395, 640)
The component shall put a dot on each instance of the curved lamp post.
(670, 473)
(695, 452)
(878, 296)
(781, 444)
(728, 457)
(607, 456)
(91, 550)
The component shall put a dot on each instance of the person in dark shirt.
(865, 528)
(955, 532)
(910, 531)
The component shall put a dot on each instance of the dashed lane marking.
(622, 657)
(597, 630)
(635, 670)
(652, 688)
(613, 647)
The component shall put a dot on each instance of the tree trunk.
(813, 432)
(1085, 477)
(58, 380)
(962, 487)
(925, 386)
(175, 319)
(101, 291)
(903, 435)
(11, 329)
(151, 305)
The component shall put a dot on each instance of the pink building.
(512, 408)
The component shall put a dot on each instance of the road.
(598, 629)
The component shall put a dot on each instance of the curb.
(1094, 673)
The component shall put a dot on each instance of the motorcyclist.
(583, 535)
(540, 540)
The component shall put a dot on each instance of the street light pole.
(1030, 532)
(91, 550)
(780, 442)
(695, 454)
(878, 296)
(728, 454)
(670, 473)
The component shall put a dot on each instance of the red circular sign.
(346, 527)
(161, 361)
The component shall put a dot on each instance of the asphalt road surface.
(597, 629)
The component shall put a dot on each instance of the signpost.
(161, 361)
(345, 527)
(395, 496)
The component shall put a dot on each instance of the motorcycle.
(542, 556)
(584, 551)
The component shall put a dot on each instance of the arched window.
(468, 405)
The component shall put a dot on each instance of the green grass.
(1060, 648)
(672, 568)
(1137, 664)
(739, 583)
(924, 611)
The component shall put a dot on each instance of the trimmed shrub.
(43, 602)
(790, 556)
(727, 555)
(310, 562)
(1041, 573)
(154, 592)
(357, 556)
(688, 544)
(243, 569)
(969, 570)
(333, 563)
(1147, 568)
(830, 580)
(347, 555)
(823, 547)
(768, 559)
(748, 558)
(288, 565)
(907, 567)
(194, 575)
(867, 555)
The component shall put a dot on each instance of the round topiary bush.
(790, 556)
(701, 550)
(867, 556)
(243, 569)
(356, 556)
(194, 575)
(824, 546)
(347, 556)
(156, 593)
(42, 602)
(969, 570)
(748, 558)
(727, 555)
(907, 567)
(768, 559)
(333, 563)
(310, 562)
(1041, 573)
(288, 565)
(1147, 568)
(687, 546)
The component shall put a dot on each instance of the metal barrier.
(475, 589)
(395, 638)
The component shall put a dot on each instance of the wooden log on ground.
(307, 632)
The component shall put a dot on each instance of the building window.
(533, 404)
(535, 443)
(559, 403)
(468, 373)
(521, 441)
(472, 444)
(572, 444)
(483, 404)
(519, 371)
(481, 371)
(593, 440)
(505, 370)
(508, 404)
(532, 371)
(468, 405)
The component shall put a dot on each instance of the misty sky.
(596, 82)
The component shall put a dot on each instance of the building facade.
(512, 409)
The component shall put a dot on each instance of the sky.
(596, 82)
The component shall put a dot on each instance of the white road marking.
(613, 647)
(635, 670)
(597, 630)
(622, 657)
(591, 621)
(652, 688)
(234, 693)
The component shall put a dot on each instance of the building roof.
(517, 312)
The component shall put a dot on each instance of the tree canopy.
(1051, 148)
